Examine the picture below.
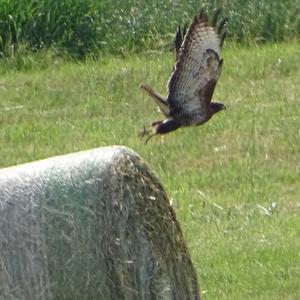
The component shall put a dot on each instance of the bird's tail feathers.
(160, 101)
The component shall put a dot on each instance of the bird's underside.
(197, 69)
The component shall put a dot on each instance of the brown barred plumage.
(197, 69)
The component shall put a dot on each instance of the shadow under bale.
(90, 225)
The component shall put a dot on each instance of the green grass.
(234, 182)
(80, 27)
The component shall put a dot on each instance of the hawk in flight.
(197, 69)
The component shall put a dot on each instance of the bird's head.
(216, 106)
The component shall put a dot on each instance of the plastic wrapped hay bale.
(90, 225)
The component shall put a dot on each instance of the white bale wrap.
(90, 225)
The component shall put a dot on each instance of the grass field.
(81, 27)
(235, 182)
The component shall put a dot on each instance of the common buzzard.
(197, 69)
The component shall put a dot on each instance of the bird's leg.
(147, 131)
(154, 129)
(149, 137)
(160, 127)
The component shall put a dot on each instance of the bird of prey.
(197, 69)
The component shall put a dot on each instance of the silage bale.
(90, 225)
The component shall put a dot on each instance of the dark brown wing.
(198, 68)
(179, 39)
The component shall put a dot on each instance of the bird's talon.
(145, 132)
(149, 137)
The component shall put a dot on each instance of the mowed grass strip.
(234, 182)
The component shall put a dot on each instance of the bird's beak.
(224, 107)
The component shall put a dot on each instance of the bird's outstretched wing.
(180, 33)
(198, 67)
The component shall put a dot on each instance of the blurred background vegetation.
(81, 27)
